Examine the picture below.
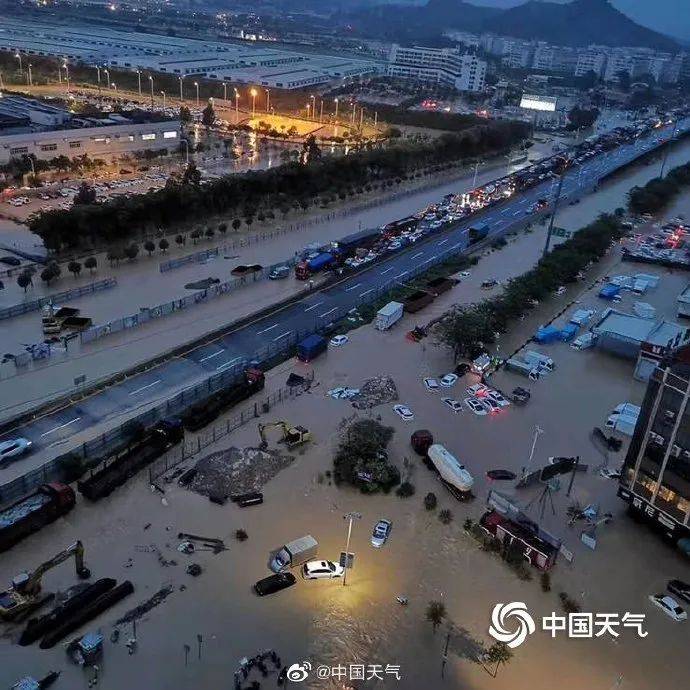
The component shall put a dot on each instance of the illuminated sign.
(543, 103)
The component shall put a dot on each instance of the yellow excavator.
(293, 436)
(26, 587)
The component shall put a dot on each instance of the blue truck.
(305, 269)
(311, 347)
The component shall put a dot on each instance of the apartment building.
(445, 66)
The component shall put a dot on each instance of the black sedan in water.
(274, 583)
(680, 589)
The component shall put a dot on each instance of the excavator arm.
(31, 584)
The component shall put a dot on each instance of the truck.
(204, 413)
(538, 360)
(626, 408)
(311, 347)
(477, 234)
(581, 317)
(417, 300)
(584, 341)
(520, 367)
(454, 475)
(305, 269)
(279, 272)
(293, 553)
(129, 458)
(609, 292)
(29, 514)
(623, 423)
(388, 315)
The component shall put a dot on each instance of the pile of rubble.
(376, 391)
(237, 471)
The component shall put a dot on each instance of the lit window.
(169, 135)
(148, 137)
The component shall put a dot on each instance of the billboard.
(541, 103)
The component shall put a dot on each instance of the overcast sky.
(669, 16)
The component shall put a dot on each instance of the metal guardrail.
(197, 257)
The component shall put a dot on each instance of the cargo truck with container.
(388, 315)
(55, 319)
(311, 347)
(623, 423)
(308, 267)
(127, 460)
(293, 553)
(204, 413)
(539, 360)
(518, 366)
(29, 514)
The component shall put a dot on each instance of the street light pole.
(31, 83)
(139, 80)
(321, 111)
(537, 432)
(181, 98)
(196, 84)
(163, 94)
(107, 76)
(253, 95)
(66, 68)
(350, 517)
(335, 100)
(665, 158)
(19, 57)
(268, 100)
(98, 78)
(151, 83)
(225, 91)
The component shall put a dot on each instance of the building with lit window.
(656, 471)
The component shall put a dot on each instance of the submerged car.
(319, 570)
(274, 583)
(382, 530)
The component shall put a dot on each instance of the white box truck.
(584, 341)
(538, 360)
(520, 367)
(452, 471)
(623, 423)
(293, 553)
(388, 315)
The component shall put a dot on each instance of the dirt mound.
(376, 391)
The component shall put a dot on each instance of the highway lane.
(52, 433)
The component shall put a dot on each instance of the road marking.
(416, 255)
(313, 306)
(517, 213)
(400, 275)
(443, 242)
(388, 270)
(328, 312)
(353, 287)
(455, 246)
(266, 330)
(143, 388)
(282, 335)
(366, 292)
(215, 354)
(225, 365)
(62, 426)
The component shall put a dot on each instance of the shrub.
(430, 501)
(405, 490)
(545, 581)
(569, 605)
(446, 516)
(241, 535)
(468, 524)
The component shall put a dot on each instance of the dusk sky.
(669, 16)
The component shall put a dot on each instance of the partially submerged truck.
(388, 315)
(293, 553)
(454, 475)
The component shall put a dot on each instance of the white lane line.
(366, 292)
(416, 255)
(443, 242)
(215, 354)
(143, 388)
(313, 306)
(353, 287)
(227, 364)
(270, 328)
(62, 426)
(455, 246)
(282, 335)
(400, 275)
(330, 311)
(517, 213)
(388, 270)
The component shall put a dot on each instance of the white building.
(592, 59)
(446, 66)
(103, 141)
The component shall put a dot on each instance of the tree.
(150, 246)
(180, 240)
(435, 613)
(74, 267)
(91, 263)
(499, 653)
(191, 176)
(24, 280)
(185, 115)
(50, 272)
(223, 228)
(210, 232)
(208, 116)
(163, 245)
(430, 501)
(236, 224)
(131, 251)
(445, 516)
(581, 118)
(85, 195)
(195, 235)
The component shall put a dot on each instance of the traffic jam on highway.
(354, 252)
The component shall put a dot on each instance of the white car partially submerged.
(319, 570)
(404, 412)
(339, 340)
(448, 380)
(431, 385)
(455, 405)
(475, 406)
(669, 606)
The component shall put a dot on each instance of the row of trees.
(276, 188)
(467, 330)
(657, 193)
(52, 271)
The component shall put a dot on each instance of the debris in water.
(376, 391)
(138, 611)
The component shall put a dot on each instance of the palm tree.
(499, 653)
(435, 613)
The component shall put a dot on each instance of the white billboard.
(543, 103)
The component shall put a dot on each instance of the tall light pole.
(321, 112)
(98, 78)
(665, 158)
(31, 83)
(268, 100)
(313, 106)
(181, 97)
(308, 105)
(335, 100)
(151, 84)
(225, 91)
(163, 94)
(350, 517)
(376, 118)
(139, 81)
(538, 431)
(553, 213)
(474, 179)
(107, 77)
(196, 84)
(253, 95)
(19, 57)
(237, 106)
(66, 68)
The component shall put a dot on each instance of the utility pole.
(665, 158)
(139, 81)
(445, 655)
(553, 214)
(474, 179)
(537, 432)
(572, 474)
(350, 517)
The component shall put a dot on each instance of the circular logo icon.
(298, 672)
(511, 623)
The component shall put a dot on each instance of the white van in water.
(584, 341)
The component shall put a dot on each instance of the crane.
(293, 436)
(26, 587)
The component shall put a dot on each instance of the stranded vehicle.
(293, 553)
